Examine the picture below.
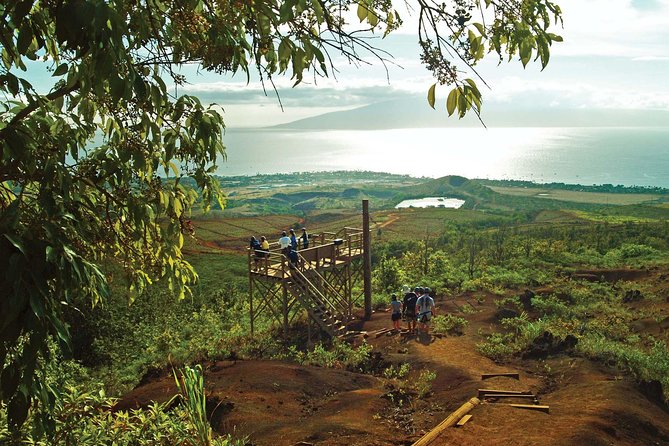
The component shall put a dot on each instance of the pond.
(431, 202)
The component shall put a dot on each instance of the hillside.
(415, 113)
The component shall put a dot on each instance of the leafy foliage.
(81, 162)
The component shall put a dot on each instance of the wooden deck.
(327, 251)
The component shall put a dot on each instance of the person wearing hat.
(396, 312)
(409, 309)
(424, 309)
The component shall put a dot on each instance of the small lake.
(431, 202)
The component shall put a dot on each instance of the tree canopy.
(84, 164)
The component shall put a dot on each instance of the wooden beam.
(508, 395)
(514, 375)
(531, 407)
(367, 260)
(493, 392)
(463, 420)
(448, 422)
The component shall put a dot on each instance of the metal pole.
(367, 259)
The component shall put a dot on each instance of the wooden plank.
(531, 407)
(448, 422)
(382, 332)
(463, 420)
(492, 392)
(514, 375)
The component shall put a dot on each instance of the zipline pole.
(367, 259)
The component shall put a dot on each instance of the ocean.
(628, 156)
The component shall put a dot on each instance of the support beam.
(493, 392)
(367, 259)
(448, 422)
(514, 375)
(531, 407)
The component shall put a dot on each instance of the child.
(396, 308)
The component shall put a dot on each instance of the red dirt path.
(278, 403)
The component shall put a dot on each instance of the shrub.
(423, 384)
(397, 372)
(86, 419)
(498, 346)
(449, 324)
(340, 355)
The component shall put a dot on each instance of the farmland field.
(578, 196)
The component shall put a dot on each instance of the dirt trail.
(278, 403)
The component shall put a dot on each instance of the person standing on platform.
(255, 246)
(284, 243)
(305, 238)
(293, 240)
(264, 246)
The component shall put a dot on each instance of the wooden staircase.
(330, 312)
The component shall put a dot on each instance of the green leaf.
(17, 242)
(462, 105)
(362, 12)
(60, 70)
(555, 37)
(430, 95)
(452, 101)
(25, 38)
(372, 18)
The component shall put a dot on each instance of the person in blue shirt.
(293, 240)
(292, 257)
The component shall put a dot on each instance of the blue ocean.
(584, 155)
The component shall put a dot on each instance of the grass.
(578, 196)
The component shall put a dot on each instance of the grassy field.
(579, 197)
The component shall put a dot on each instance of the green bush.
(341, 355)
(86, 419)
(397, 372)
(498, 346)
(423, 384)
(449, 324)
(643, 365)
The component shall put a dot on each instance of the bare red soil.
(278, 403)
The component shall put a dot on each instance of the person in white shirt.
(284, 243)
(425, 310)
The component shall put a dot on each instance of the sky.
(615, 55)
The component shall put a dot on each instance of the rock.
(506, 313)
(547, 344)
(632, 296)
(526, 299)
(653, 391)
(664, 323)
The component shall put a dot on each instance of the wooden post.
(285, 310)
(367, 259)
(251, 302)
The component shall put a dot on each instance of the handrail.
(314, 290)
(337, 297)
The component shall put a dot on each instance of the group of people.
(288, 244)
(417, 307)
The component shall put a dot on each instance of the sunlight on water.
(630, 156)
